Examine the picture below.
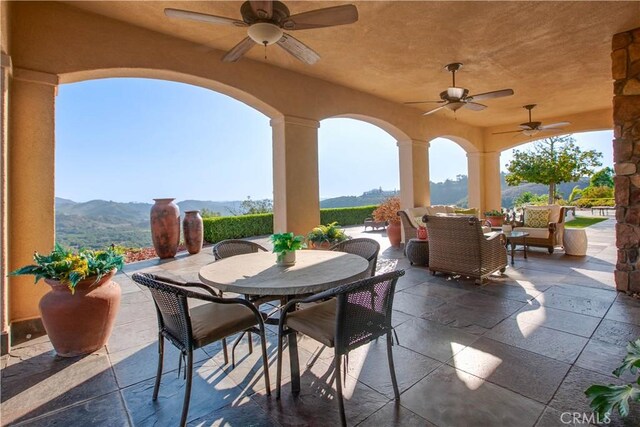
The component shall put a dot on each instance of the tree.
(552, 161)
(602, 178)
(250, 207)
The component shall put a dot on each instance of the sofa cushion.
(437, 209)
(536, 218)
(471, 211)
(536, 233)
(554, 215)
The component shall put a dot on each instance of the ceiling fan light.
(265, 33)
(530, 132)
(455, 106)
(455, 92)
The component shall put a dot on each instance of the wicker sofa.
(544, 237)
(412, 218)
(458, 245)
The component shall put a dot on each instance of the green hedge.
(237, 227)
(346, 216)
(587, 203)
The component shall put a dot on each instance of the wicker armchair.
(353, 315)
(410, 230)
(233, 247)
(366, 248)
(458, 245)
(190, 329)
(547, 237)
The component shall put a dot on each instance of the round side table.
(418, 252)
(575, 241)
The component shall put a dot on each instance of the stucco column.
(296, 198)
(5, 71)
(484, 180)
(413, 155)
(31, 150)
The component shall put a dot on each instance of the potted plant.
(80, 310)
(285, 246)
(325, 236)
(388, 211)
(495, 217)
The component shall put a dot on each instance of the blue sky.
(166, 139)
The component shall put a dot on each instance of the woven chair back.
(363, 311)
(172, 310)
(233, 247)
(454, 241)
(366, 248)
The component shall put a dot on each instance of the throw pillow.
(419, 221)
(538, 218)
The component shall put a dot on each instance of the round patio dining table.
(258, 274)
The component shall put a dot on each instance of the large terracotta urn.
(193, 231)
(165, 227)
(80, 323)
(394, 233)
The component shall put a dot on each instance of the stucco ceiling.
(555, 54)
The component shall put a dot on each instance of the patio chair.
(352, 315)
(457, 245)
(190, 329)
(232, 247)
(545, 225)
(366, 248)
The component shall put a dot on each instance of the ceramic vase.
(193, 231)
(394, 233)
(80, 323)
(165, 227)
(422, 233)
(286, 258)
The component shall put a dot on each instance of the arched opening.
(122, 142)
(448, 172)
(599, 141)
(358, 163)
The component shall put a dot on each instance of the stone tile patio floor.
(518, 351)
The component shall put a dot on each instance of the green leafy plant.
(69, 267)
(607, 398)
(329, 233)
(287, 242)
(493, 212)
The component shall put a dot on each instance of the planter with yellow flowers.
(80, 310)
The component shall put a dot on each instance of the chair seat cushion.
(317, 321)
(536, 233)
(211, 322)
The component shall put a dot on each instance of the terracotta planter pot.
(320, 245)
(80, 323)
(394, 234)
(495, 221)
(165, 227)
(193, 231)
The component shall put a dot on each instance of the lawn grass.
(584, 221)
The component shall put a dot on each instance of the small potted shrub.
(325, 236)
(80, 310)
(285, 246)
(388, 211)
(495, 217)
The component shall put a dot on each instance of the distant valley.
(99, 223)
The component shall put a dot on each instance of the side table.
(575, 241)
(418, 252)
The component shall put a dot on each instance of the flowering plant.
(327, 233)
(388, 211)
(70, 267)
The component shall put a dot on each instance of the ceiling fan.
(455, 98)
(265, 22)
(532, 128)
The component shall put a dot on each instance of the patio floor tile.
(566, 321)
(590, 306)
(617, 333)
(450, 397)
(474, 320)
(604, 358)
(625, 309)
(415, 305)
(503, 364)
(430, 289)
(393, 414)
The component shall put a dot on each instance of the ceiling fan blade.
(262, 9)
(239, 50)
(203, 17)
(491, 95)
(554, 125)
(475, 106)
(424, 102)
(298, 49)
(509, 131)
(434, 110)
(319, 18)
